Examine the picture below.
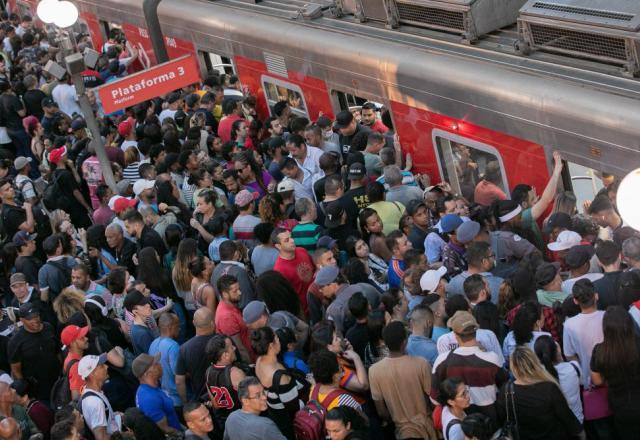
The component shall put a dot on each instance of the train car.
(448, 98)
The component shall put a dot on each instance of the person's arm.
(115, 358)
(361, 382)
(164, 425)
(236, 375)
(380, 249)
(100, 433)
(166, 308)
(195, 224)
(16, 370)
(550, 190)
(210, 300)
(28, 225)
(382, 410)
(80, 198)
(302, 333)
(242, 350)
(597, 379)
(181, 387)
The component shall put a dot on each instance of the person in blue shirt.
(398, 244)
(291, 357)
(150, 399)
(140, 307)
(420, 342)
(169, 349)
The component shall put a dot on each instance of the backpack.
(61, 391)
(88, 433)
(51, 195)
(450, 425)
(308, 423)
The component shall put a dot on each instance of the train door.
(462, 162)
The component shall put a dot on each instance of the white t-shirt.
(486, 339)
(455, 432)
(570, 385)
(581, 333)
(167, 113)
(65, 96)
(567, 285)
(95, 413)
(126, 144)
(509, 343)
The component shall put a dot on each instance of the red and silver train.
(443, 93)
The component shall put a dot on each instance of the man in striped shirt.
(245, 222)
(481, 370)
(306, 233)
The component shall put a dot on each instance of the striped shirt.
(131, 172)
(306, 235)
(243, 227)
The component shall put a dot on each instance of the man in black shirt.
(33, 352)
(66, 180)
(145, 235)
(357, 193)
(610, 259)
(192, 360)
(26, 263)
(14, 217)
(348, 127)
(33, 97)
(418, 211)
(358, 334)
(51, 113)
(23, 293)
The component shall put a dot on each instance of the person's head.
(476, 289)
(134, 223)
(631, 251)
(526, 366)
(392, 175)
(220, 350)
(80, 277)
(93, 369)
(421, 320)
(328, 280)
(398, 244)
(525, 195)
(602, 211)
(454, 393)
(229, 289)
(147, 369)
(64, 430)
(297, 147)
(324, 367)
(283, 242)
(375, 192)
(618, 350)
(169, 325)
(342, 421)
(358, 306)
(7, 191)
(528, 319)
(30, 318)
(19, 286)
(548, 353)
(395, 336)
(477, 427)
(548, 277)
(370, 222)
(480, 256)
(584, 294)
(265, 341)
(137, 304)
(197, 418)
(252, 395)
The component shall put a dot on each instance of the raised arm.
(550, 190)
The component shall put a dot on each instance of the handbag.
(510, 427)
(596, 403)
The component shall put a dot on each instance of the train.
(447, 97)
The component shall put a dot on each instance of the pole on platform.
(150, 10)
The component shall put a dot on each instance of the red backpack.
(308, 423)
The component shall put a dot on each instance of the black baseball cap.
(357, 171)
(558, 220)
(413, 205)
(545, 273)
(48, 102)
(333, 215)
(579, 255)
(28, 311)
(135, 298)
(343, 119)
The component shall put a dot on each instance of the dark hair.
(225, 282)
(362, 221)
(151, 272)
(477, 426)
(617, 356)
(391, 240)
(584, 293)
(503, 207)
(358, 305)
(323, 365)
(449, 390)
(394, 335)
(525, 319)
(348, 416)
(375, 192)
(296, 140)
(601, 203)
(277, 292)
(197, 266)
(322, 335)
(215, 347)
(116, 281)
(50, 244)
(412, 257)
(390, 299)
(228, 249)
(476, 252)
(608, 252)
(286, 337)
(456, 303)
(62, 430)
(629, 288)
(262, 232)
(298, 124)
(547, 350)
(173, 235)
(143, 427)
(486, 313)
(260, 340)
(520, 193)
(243, 387)
(133, 216)
(354, 271)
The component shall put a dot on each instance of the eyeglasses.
(465, 392)
(259, 396)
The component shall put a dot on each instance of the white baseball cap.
(89, 363)
(142, 185)
(285, 185)
(112, 201)
(431, 278)
(566, 240)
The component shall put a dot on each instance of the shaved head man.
(10, 430)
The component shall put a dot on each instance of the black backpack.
(61, 391)
(88, 433)
(51, 195)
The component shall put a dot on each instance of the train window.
(347, 101)
(277, 90)
(463, 162)
(212, 61)
(585, 183)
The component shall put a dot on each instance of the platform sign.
(147, 84)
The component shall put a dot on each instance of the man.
(583, 331)
(222, 379)
(51, 114)
(64, 430)
(369, 118)
(150, 399)
(245, 222)
(563, 242)
(489, 188)
(476, 290)
(75, 339)
(481, 370)
(398, 192)
(198, 420)
(274, 127)
(230, 264)
(26, 263)
(174, 101)
(127, 131)
(348, 127)
(420, 342)
(24, 185)
(389, 212)
(246, 423)
(166, 346)
(330, 165)
(631, 252)
(357, 194)
(334, 191)
(480, 260)
(558, 222)
(314, 137)
(398, 244)
(307, 157)
(610, 260)
(306, 233)
(55, 274)
(549, 284)
(578, 261)
(144, 235)
(192, 360)
(31, 347)
(604, 214)
(299, 178)
(294, 263)
(232, 109)
(400, 385)
(228, 318)
(14, 217)
(420, 225)
(71, 198)
(123, 248)
(372, 161)
(453, 253)
(24, 293)
(256, 315)
(94, 405)
(158, 222)
(141, 335)
(432, 281)
(67, 98)
(337, 224)
(206, 107)
(81, 280)
(358, 333)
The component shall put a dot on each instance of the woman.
(540, 407)
(566, 373)
(252, 176)
(355, 273)
(181, 276)
(276, 292)
(345, 423)
(564, 202)
(202, 179)
(240, 134)
(169, 194)
(454, 398)
(271, 210)
(371, 227)
(35, 129)
(354, 375)
(202, 218)
(68, 302)
(525, 328)
(283, 390)
(173, 235)
(616, 362)
(328, 376)
(132, 163)
(395, 305)
(202, 291)
(375, 268)
(376, 349)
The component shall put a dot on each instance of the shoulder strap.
(396, 205)
(88, 393)
(71, 363)
(575, 368)
(331, 397)
(450, 425)
(277, 377)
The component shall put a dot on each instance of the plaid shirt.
(550, 322)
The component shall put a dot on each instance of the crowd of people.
(283, 278)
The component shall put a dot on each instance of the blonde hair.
(526, 366)
(131, 155)
(57, 217)
(187, 251)
(70, 301)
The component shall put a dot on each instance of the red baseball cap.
(125, 127)
(56, 155)
(73, 333)
(122, 204)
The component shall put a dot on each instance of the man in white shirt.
(127, 130)
(583, 331)
(578, 259)
(94, 405)
(175, 103)
(67, 98)
(307, 157)
(297, 177)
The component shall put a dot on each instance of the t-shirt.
(55, 274)
(243, 227)
(65, 96)
(168, 349)
(486, 193)
(97, 411)
(509, 343)
(299, 271)
(422, 346)
(76, 382)
(569, 374)
(454, 432)
(12, 217)
(263, 258)
(193, 364)
(141, 338)
(10, 105)
(229, 322)
(486, 339)
(567, 285)
(403, 383)
(156, 405)
(241, 425)
(581, 333)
